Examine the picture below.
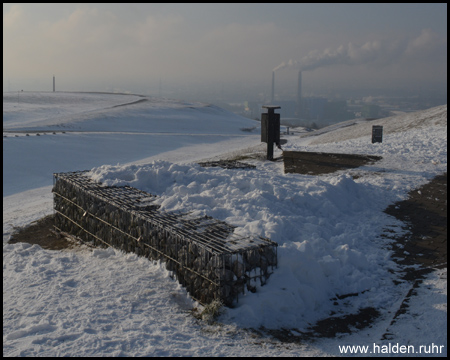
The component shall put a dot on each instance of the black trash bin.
(270, 129)
(377, 134)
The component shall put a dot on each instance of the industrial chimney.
(53, 83)
(272, 98)
(299, 95)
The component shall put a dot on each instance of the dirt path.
(424, 214)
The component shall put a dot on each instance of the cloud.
(142, 44)
(235, 49)
(88, 42)
(94, 42)
(427, 43)
(11, 17)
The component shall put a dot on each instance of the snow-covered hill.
(78, 131)
(357, 128)
(104, 112)
(329, 228)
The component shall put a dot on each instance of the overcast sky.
(135, 46)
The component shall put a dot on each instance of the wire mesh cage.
(206, 256)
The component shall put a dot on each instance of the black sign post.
(270, 129)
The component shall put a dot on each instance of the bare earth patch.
(424, 214)
(41, 233)
(318, 163)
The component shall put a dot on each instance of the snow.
(328, 227)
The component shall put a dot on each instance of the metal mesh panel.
(205, 255)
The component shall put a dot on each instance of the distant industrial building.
(314, 108)
(370, 111)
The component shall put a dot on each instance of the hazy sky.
(135, 46)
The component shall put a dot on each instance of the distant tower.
(53, 83)
(299, 95)
(160, 88)
(272, 98)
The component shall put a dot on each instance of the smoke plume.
(349, 55)
(376, 53)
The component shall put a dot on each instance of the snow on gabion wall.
(208, 259)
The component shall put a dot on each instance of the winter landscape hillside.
(330, 230)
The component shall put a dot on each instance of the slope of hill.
(334, 256)
(103, 112)
(354, 129)
(83, 130)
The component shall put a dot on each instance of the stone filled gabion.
(207, 258)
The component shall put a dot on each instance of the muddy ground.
(317, 163)
(424, 214)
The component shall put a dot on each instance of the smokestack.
(53, 83)
(299, 95)
(272, 98)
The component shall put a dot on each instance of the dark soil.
(424, 246)
(424, 214)
(326, 328)
(317, 163)
(41, 233)
(227, 164)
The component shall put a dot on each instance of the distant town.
(320, 111)
(315, 111)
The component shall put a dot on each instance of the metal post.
(270, 129)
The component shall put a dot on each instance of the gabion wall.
(207, 258)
